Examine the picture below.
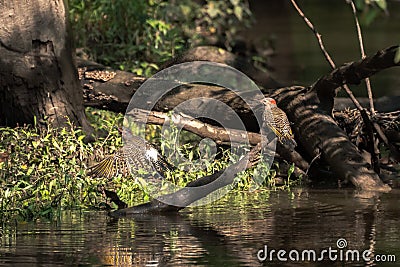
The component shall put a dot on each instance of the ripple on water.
(227, 232)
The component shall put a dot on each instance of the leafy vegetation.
(370, 10)
(45, 170)
(140, 35)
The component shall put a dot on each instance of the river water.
(229, 232)
(298, 59)
(234, 230)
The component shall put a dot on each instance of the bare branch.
(219, 134)
(316, 33)
(326, 54)
(355, 72)
(361, 43)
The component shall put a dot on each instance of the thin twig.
(317, 34)
(363, 55)
(318, 156)
(326, 54)
(374, 150)
(394, 151)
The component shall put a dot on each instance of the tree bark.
(114, 94)
(219, 134)
(309, 109)
(187, 196)
(38, 77)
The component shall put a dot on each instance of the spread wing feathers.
(136, 154)
(111, 166)
(280, 125)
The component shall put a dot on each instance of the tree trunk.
(38, 77)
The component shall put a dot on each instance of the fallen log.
(114, 95)
(310, 109)
(113, 92)
(186, 196)
(219, 134)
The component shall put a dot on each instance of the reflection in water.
(298, 59)
(227, 233)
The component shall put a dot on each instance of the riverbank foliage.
(141, 35)
(45, 170)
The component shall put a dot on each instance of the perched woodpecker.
(278, 122)
(137, 154)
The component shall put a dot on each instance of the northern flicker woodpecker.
(137, 154)
(277, 121)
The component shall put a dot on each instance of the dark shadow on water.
(229, 232)
(298, 59)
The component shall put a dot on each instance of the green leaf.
(382, 4)
(30, 170)
(52, 184)
(212, 11)
(36, 143)
(56, 145)
(46, 138)
(370, 16)
(291, 170)
(238, 12)
(397, 56)
(7, 193)
(46, 211)
(360, 4)
(186, 10)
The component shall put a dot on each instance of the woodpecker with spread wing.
(277, 121)
(137, 154)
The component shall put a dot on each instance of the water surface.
(230, 232)
(298, 58)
